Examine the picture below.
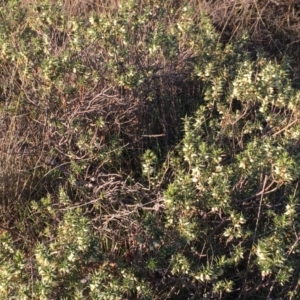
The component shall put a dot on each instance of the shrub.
(142, 158)
(234, 197)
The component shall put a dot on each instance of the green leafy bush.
(234, 197)
(143, 159)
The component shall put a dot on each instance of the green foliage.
(237, 173)
(143, 159)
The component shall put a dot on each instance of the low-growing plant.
(141, 158)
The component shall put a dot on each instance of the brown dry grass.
(82, 7)
(272, 24)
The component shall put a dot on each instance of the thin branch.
(286, 127)
(264, 191)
